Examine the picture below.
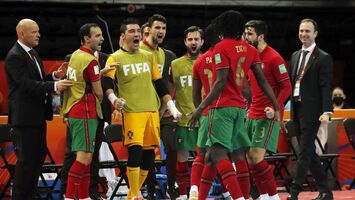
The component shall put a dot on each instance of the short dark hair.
(144, 25)
(212, 37)
(311, 21)
(156, 17)
(193, 29)
(230, 24)
(85, 31)
(259, 26)
(127, 21)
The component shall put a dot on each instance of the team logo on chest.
(130, 135)
(136, 68)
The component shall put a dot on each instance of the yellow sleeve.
(155, 70)
(111, 73)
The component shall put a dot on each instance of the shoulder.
(168, 52)
(321, 51)
(178, 60)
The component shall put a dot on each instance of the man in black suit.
(29, 106)
(311, 76)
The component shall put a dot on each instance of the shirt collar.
(87, 50)
(25, 47)
(150, 46)
(310, 48)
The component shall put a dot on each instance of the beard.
(254, 43)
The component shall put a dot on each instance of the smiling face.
(131, 37)
(95, 39)
(158, 32)
(307, 34)
(193, 43)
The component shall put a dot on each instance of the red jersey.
(274, 69)
(202, 71)
(86, 107)
(237, 56)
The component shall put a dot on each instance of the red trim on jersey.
(86, 108)
(269, 133)
(150, 46)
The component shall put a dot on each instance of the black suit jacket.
(315, 89)
(29, 97)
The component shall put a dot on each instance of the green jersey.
(135, 75)
(181, 71)
(79, 61)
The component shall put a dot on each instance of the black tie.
(302, 65)
(32, 53)
(33, 57)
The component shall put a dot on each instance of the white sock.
(264, 197)
(275, 197)
(226, 194)
(194, 188)
(183, 196)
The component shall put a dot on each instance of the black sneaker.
(173, 193)
(96, 196)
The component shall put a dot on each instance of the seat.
(349, 125)
(49, 166)
(293, 132)
(113, 134)
(49, 169)
(6, 164)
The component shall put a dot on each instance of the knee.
(182, 156)
(134, 156)
(147, 160)
(238, 155)
(254, 156)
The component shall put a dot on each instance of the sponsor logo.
(282, 69)
(136, 68)
(217, 58)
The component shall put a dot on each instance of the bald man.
(30, 106)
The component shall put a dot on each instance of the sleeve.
(279, 69)
(256, 58)
(221, 60)
(196, 67)
(171, 73)
(16, 65)
(92, 72)
(155, 70)
(325, 82)
(111, 73)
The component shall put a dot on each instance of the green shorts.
(226, 127)
(186, 138)
(263, 133)
(83, 133)
(202, 132)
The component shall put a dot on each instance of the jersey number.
(240, 72)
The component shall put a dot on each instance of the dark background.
(60, 22)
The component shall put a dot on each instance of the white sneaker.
(193, 195)
(182, 197)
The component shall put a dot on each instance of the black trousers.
(31, 149)
(70, 157)
(308, 159)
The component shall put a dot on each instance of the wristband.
(112, 97)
